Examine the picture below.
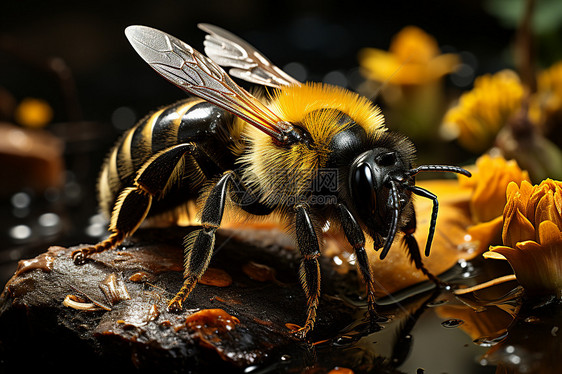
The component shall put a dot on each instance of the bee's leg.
(356, 238)
(134, 202)
(199, 244)
(414, 251)
(309, 271)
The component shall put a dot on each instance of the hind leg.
(134, 202)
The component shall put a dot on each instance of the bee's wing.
(195, 73)
(246, 62)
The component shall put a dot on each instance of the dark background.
(322, 35)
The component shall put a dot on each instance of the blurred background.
(70, 84)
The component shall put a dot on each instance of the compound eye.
(362, 188)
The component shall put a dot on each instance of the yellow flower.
(490, 177)
(546, 104)
(532, 238)
(489, 181)
(413, 58)
(483, 111)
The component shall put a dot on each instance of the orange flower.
(546, 104)
(413, 58)
(532, 238)
(490, 178)
(489, 181)
(483, 111)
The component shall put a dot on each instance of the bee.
(309, 153)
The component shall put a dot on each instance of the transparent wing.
(195, 73)
(246, 63)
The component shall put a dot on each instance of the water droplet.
(532, 319)
(514, 359)
(285, 358)
(98, 218)
(467, 247)
(249, 369)
(452, 323)
(49, 220)
(50, 223)
(21, 200)
(20, 232)
(95, 230)
(488, 341)
(343, 340)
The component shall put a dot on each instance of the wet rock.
(110, 313)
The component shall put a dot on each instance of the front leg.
(415, 253)
(199, 244)
(356, 238)
(307, 243)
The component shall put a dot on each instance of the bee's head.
(381, 183)
(378, 184)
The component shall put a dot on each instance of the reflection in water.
(532, 344)
(520, 333)
(493, 330)
(452, 323)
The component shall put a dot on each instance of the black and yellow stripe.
(189, 120)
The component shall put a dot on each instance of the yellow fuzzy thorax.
(293, 103)
(281, 173)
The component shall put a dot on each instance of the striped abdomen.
(192, 120)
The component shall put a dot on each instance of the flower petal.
(550, 235)
(517, 229)
(546, 210)
(495, 255)
(485, 233)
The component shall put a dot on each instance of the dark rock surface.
(239, 318)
